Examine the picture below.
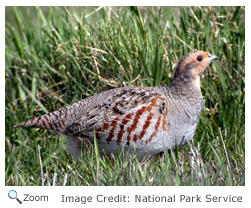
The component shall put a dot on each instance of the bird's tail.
(52, 121)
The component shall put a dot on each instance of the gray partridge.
(144, 120)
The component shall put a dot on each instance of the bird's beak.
(212, 57)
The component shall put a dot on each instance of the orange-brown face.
(193, 64)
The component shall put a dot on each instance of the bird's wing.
(123, 111)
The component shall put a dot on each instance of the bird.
(144, 121)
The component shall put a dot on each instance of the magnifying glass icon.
(13, 195)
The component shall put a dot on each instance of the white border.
(54, 193)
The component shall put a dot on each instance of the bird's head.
(192, 65)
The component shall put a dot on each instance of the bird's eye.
(199, 58)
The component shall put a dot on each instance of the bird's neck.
(187, 86)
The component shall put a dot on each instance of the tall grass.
(58, 55)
